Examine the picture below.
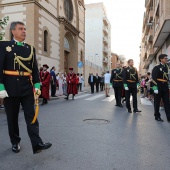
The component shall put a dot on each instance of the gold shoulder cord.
(117, 75)
(165, 75)
(133, 75)
(19, 59)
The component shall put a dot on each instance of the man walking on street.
(17, 64)
(53, 82)
(160, 80)
(107, 77)
(97, 82)
(71, 84)
(131, 82)
(45, 84)
(91, 81)
(117, 83)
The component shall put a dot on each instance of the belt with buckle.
(162, 80)
(117, 80)
(131, 81)
(16, 73)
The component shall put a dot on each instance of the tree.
(3, 23)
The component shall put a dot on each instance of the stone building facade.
(55, 27)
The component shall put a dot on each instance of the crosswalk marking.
(145, 102)
(109, 99)
(82, 96)
(95, 97)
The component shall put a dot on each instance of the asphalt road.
(90, 133)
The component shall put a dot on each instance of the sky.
(126, 18)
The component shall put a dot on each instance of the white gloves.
(156, 91)
(126, 88)
(3, 94)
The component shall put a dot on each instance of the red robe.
(71, 84)
(45, 87)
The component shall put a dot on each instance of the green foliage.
(3, 23)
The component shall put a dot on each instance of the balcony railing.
(105, 50)
(105, 40)
(105, 30)
(105, 60)
(105, 20)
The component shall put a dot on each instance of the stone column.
(62, 34)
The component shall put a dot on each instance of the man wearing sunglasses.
(160, 79)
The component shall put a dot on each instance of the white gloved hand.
(156, 91)
(3, 94)
(126, 88)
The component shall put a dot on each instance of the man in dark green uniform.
(160, 79)
(117, 82)
(18, 75)
(131, 82)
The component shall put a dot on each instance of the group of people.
(58, 81)
(155, 84)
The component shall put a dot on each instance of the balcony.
(150, 14)
(105, 40)
(105, 60)
(149, 36)
(105, 30)
(105, 50)
(162, 31)
(150, 53)
(105, 20)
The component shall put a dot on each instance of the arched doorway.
(66, 54)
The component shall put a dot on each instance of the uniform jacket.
(130, 73)
(160, 72)
(17, 85)
(94, 79)
(117, 75)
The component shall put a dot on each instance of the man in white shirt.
(107, 77)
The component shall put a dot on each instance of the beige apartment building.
(98, 39)
(55, 27)
(156, 33)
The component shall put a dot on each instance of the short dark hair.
(148, 73)
(14, 24)
(162, 56)
(129, 60)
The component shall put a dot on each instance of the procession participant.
(45, 84)
(117, 83)
(17, 64)
(91, 81)
(71, 84)
(53, 82)
(160, 80)
(130, 81)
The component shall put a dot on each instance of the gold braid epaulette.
(19, 59)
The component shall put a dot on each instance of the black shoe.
(16, 148)
(120, 105)
(116, 105)
(159, 119)
(136, 111)
(129, 111)
(41, 146)
(66, 98)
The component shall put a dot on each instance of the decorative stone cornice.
(81, 4)
(68, 25)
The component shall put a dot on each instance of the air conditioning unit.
(149, 24)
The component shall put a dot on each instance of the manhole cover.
(96, 121)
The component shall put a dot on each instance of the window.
(45, 40)
(66, 44)
(81, 56)
(68, 7)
